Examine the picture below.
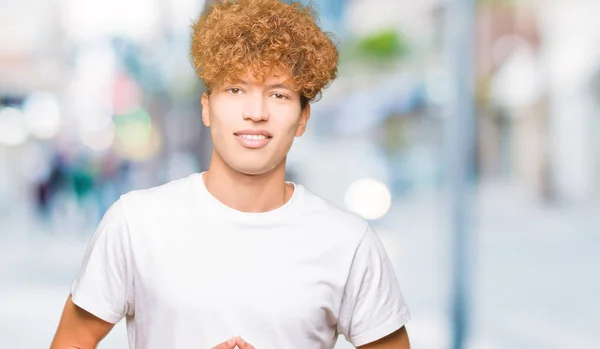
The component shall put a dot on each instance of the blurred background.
(496, 244)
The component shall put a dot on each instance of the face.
(253, 125)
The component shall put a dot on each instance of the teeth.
(253, 137)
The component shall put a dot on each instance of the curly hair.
(265, 38)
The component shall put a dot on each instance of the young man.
(236, 251)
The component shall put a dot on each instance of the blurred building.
(98, 97)
(538, 114)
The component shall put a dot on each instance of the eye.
(234, 91)
(279, 96)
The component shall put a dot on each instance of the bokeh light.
(369, 198)
(13, 128)
(137, 139)
(42, 115)
(99, 139)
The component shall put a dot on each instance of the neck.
(247, 193)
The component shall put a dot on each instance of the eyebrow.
(271, 86)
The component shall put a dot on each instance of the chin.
(253, 169)
(250, 171)
(248, 164)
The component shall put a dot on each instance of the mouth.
(253, 139)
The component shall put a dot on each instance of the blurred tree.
(382, 46)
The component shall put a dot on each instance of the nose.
(255, 109)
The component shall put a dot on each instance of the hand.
(234, 342)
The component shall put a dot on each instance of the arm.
(79, 329)
(396, 340)
(102, 292)
(373, 312)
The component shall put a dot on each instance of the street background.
(98, 98)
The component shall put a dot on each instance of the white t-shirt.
(186, 271)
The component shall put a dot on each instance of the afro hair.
(265, 38)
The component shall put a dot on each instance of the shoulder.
(161, 198)
(333, 218)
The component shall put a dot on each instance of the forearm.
(396, 340)
(69, 344)
(79, 329)
(65, 339)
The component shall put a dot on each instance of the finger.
(242, 344)
(228, 344)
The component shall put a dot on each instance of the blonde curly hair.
(266, 38)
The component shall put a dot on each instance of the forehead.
(258, 77)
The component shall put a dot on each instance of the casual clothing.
(186, 271)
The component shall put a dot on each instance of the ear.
(304, 116)
(205, 107)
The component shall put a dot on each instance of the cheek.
(285, 128)
(222, 118)
(287, 119)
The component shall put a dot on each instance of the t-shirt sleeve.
(104, 285)
(372, 305)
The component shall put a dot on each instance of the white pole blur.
(460, 128)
